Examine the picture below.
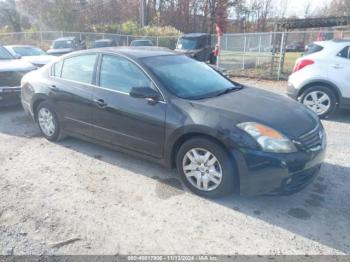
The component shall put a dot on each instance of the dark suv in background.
(196, 45)
(11, 72)
(295, 47)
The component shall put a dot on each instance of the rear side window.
(345, 53)
(313, 48)
(79, 68)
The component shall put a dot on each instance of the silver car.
(12, 70)
(32, 54)
(321, 78)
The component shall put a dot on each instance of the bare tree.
(307, 9)
(339, 8)
(10, 15)
(282, 8)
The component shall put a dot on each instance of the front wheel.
(319, 99)
(206, 168)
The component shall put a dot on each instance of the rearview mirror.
(144, 92)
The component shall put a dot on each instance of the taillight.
(301, 64)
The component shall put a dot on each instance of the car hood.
(255, 105)
(59, 51)
(188, 51)
(39, 60)
(14, 65)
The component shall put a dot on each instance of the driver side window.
(119, 74)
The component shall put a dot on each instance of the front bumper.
(292, 92)
(10, 96)
(264, 173)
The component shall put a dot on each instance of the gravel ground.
(74, 197)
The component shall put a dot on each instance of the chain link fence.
(269, 55)
(259, 55)
(245, 51)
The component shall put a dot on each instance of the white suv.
(321, 78)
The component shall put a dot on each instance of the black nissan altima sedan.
(220, 135)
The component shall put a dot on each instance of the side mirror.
(144, 92)
(17, 56)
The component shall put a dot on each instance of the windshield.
(63, 44)
(4, 55)
(187, 43)
(28, 51)
(186, 77)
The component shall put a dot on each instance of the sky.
(297, 7)
(294, 7)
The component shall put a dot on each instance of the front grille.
(311, 139)
(11, 78)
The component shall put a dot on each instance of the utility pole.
(142, 13)
(41, 21)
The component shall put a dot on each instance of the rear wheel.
(320, 99)
(48, 122)
(206, 168)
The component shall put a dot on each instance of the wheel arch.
(37, 99)
(190, 135)
(323, 83)
(181, 139)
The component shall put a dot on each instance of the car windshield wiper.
(229, 90)
(236, 87)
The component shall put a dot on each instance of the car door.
(72, 90)
(134, 123)
(339, 71)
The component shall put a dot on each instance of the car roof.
(104, 40)
(133, 52)
(141, 40)
(333, 43)
(65, 38)
(14, 46)
(195, 35)
(330, 48)
(345, 40)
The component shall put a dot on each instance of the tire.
(46, 110)
(320, 92)
(224, 163)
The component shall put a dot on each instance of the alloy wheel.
(318, 101)
(46, 122)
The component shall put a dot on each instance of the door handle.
(100, 103)
(337, 66)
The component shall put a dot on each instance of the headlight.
(269, 139)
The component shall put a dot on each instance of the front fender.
(178, 136)
(232, 139)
